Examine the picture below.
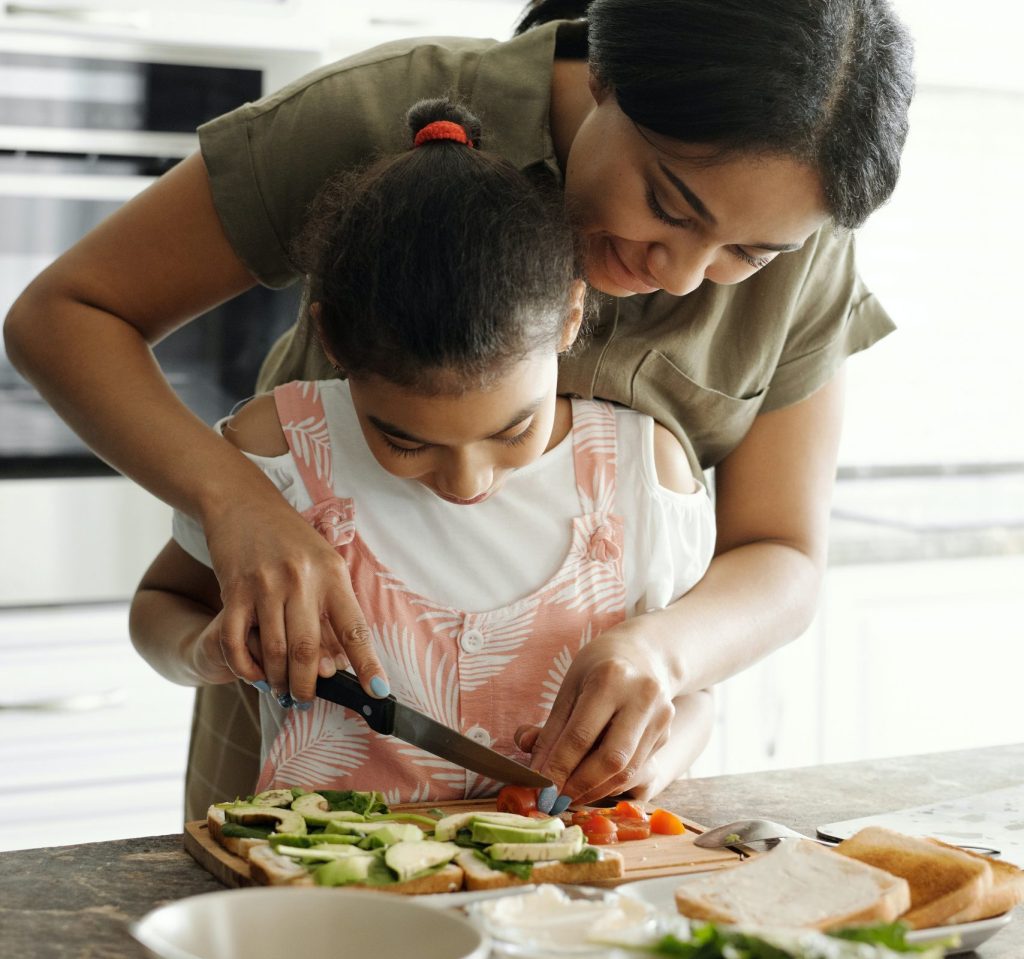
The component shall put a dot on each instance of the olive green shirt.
(704, 364)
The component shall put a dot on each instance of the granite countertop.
(76, 902)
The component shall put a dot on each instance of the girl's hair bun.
(429, 111)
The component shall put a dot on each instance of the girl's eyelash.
(402, 450)
(520, 437)
(755, 261)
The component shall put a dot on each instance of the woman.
(705, 148)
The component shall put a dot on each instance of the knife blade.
(392, 718)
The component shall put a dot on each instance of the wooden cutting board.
(644, 858)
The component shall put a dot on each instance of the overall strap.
(300, 409)
(594, 454)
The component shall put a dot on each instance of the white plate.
(659, 893)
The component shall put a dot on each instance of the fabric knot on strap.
(334, 523)
(602, 547)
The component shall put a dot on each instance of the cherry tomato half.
(599, 830)
(630, 829)
(521, 800)
(666, 823)
(624, 809)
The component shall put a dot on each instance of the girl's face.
(462, 446)
(654, 216)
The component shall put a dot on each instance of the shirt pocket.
(710, 423)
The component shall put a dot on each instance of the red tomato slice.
(666, 823)
(629, 829)
(628, 810)
(599, 830)
(521, 800)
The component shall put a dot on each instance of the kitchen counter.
(75, 902)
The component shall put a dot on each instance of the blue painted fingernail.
(546, 798)
(304, 707)
(262, 686)
(560, 805)
(379, 687)
(285, 701)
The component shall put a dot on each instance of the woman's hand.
(279, 576)
(611, 716)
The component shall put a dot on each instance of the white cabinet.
(93, 743)
(902, 658)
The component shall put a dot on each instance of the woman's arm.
(772, 502)
(82, 332)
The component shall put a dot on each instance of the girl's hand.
(611, 716)
(278, 575)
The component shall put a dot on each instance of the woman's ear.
(573, 322)
(598, 90)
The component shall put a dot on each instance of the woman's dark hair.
(828, 82)
(439, 267)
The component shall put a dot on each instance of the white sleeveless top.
(506, 546)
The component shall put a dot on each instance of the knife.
(392, 718)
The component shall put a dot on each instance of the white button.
(472, 640)
(480, 735)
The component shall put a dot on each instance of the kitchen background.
(917, 646)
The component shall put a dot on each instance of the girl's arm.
(772, 503)
(82, 332)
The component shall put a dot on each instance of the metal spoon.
(745, 831)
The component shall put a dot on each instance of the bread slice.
(270, 868)
(215, 820)
(478, 875)
(944, 881)
(1007, 889)
(799, 884)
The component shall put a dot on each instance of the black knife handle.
(344, 689)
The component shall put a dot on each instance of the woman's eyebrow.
(708, 217)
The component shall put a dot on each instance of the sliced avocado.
(360, 827)
(311, 839)
(487, 832)
(519, 822)
(273, 797)
(326, 853)
(447, 827)
(392, 833)
(317, 812)
(570, 844)
(409, 859)
(283, 820)
(341, 872)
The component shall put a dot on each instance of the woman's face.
(655, 216)
(461, 446)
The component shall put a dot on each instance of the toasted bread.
(1007, 889)
(215, 820)
(945, 882)
(799, 884)
(478, 875)
(270, 868)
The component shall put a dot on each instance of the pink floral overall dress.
(484, 674)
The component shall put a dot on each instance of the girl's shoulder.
(661, 458)
(256, 428)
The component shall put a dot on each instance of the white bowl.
(268, 923)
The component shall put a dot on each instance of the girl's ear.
(314, 315)
(573, 322)
(598, 90)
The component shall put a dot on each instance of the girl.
(716, 157)
(491, 528)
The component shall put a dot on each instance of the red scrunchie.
(442, 130)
